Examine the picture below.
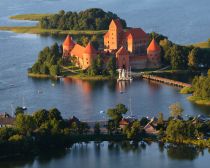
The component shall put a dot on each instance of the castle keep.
(131, 49)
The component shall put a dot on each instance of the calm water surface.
(108, 155)
(184, 22)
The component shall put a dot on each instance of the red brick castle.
(130, 48)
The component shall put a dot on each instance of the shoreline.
(82, 77)
(198, 100)
(41, 31)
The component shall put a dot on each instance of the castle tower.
(68, 45)
(89, 55)
(113, 38)
(153, 54)
(122, 58)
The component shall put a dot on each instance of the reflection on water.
(112, 154)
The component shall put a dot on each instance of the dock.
(166, 81)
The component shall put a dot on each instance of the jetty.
(166, 81)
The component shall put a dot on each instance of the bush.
(186, 90)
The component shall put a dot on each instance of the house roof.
(89, 49)
(68, 41)
(124, 122)
(153, 46)
(6, 119)
(122, 51)
(78, 50)
(136, 33)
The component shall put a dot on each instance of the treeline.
(48, 62)
(90, 19)
(201, 86)
(182, 57)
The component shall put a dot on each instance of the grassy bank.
(196, 142)
(32, 17)
(38, 75)
(97, 77)
(38, 30)
(204, 44)
(73, 76)
(186, 90)
(199, 101)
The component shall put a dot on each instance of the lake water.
(108, 155)
(184, 22)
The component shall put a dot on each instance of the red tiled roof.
(90, 49)
(78, 50)
(153, 46)
(122, 51)
(124, 122)
(136, 33)
(68, 41)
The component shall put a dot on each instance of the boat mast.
(12, 110)
(130, 107)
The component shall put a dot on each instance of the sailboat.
(23, 105)
(130, 78)
(124, 75)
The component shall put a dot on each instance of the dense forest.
(90, 19)
(48, 62)
(182, 57)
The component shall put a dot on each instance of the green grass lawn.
(32, 17)
(199, 101)
(202, 45)
(38, 30)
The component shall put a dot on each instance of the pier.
(166, 81)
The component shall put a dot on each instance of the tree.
(208, 73)
(25, 124)
(54, 114)
(41, 117)
(97, 129)
(117, 112)
(111, 66)
(176, 130)
(177, 61)
(54, 70)
(134, 131)
(193, 58)
(19, 110)
(160, 118)
(176, 110)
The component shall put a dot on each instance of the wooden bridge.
(166, 81)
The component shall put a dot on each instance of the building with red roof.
(131, 48)
(83, 56)
(135, 41)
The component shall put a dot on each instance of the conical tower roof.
(153, 46)
(68, 41)
(89, 49)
